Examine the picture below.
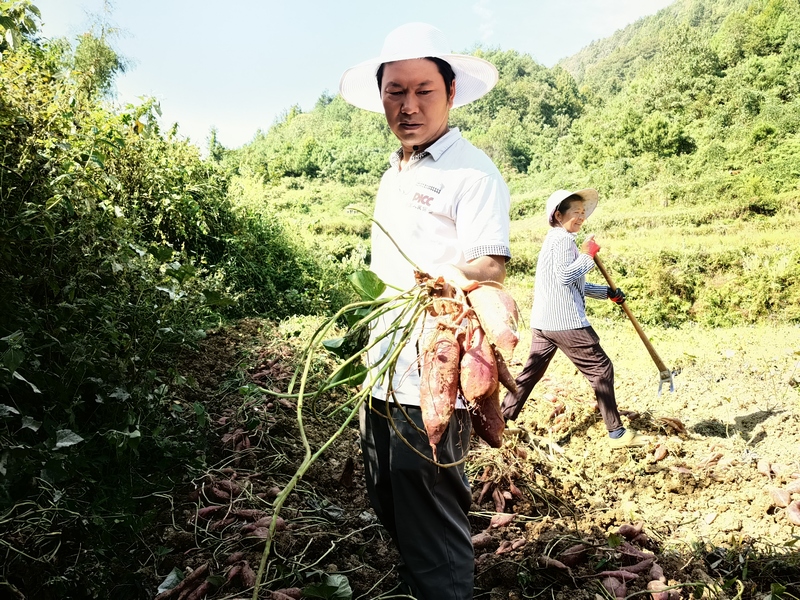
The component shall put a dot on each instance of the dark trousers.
(424, 507)
(582, 347)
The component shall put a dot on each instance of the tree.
(18, 22)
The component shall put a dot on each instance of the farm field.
(705, 507)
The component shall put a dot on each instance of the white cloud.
(486, 14)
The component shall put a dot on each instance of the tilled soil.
(705, 500)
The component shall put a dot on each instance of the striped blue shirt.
(560, 288)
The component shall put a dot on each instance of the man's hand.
(454, 277)
(617, 296)
(589, 246)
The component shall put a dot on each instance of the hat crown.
(414, 40)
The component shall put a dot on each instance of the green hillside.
(686, 121)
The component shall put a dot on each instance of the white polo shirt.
(448, 205)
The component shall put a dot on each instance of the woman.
(558, 318)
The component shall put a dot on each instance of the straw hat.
(589, 196)
(474, 76)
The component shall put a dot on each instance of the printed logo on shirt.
(426, 196)
(422, 199)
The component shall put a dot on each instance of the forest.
(130, 256)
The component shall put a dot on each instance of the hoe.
(664, 373)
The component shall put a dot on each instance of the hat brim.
(589, 196)
(475, 77)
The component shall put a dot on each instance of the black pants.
(582, 347)
(424, 507)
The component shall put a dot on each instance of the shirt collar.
(562, 231)
(435, 150)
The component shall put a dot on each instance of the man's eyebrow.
(427, 82)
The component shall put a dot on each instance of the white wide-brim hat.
(474, 76)
(589, 196)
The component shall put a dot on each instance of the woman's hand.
(617, 296)
(589, 246)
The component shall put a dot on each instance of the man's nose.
(410, 104)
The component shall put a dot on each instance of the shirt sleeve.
(482, 218)
(569, 268)
(596, 291)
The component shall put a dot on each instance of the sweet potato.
(478, 374)
(629, 531)
(620, 574)
(551, 563)
(660, 453)
(439, 384)
(793, 487)
(497, 311)
(295, 593)
(640, 566)
(499, 501)
(793, 512)
(482, 540)
(487, 420)
(573, 555)
(780, 498)
(656, 572)
(656, 588)
(247, 575)
(505, 546)
(501, 520)
(201, 591)
(187, 583)
(615, 587)
(503, 373)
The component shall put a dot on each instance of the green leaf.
(335, 346)
(181, 272)
(200, 413)
(161, 253)
(35, 389)
(777, 591)
(173, 579)
(13, 358)
(66, 438)
(368, 285)
(335, 587)
(7, 411)
(214, 298)
(352, 374)
(31, 423)
(354, 316)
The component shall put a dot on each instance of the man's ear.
(452, 94)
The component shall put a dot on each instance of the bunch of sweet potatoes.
(466, 352)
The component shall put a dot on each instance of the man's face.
(416, 102)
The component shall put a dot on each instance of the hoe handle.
(653, 354)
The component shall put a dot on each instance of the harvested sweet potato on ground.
(482, 540)
(498, 314)
(439, 383)
(573, 555)
(487, 420)
(793, 512)
(478, 375)
(780, 498)
(615, 587)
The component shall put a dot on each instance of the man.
(446, 206)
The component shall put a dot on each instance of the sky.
(239, 65)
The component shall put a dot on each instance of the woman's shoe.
(629, 439)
